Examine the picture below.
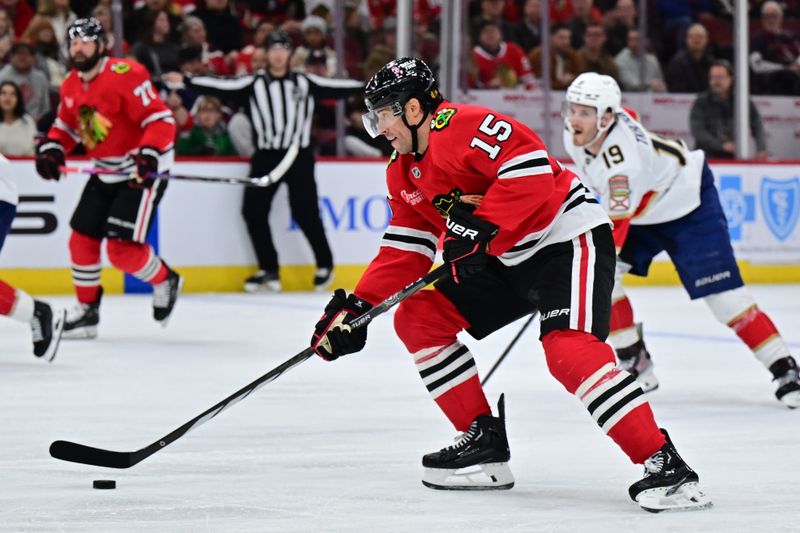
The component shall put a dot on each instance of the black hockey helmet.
(398, 81)
(88, 29)
(277, 38)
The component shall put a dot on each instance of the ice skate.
(47, 326)
(635, 359)
(477, 461)
(323, 278)
(787, 376)
(669, 484)
(82, 320)
(165, 295)
(263, 281)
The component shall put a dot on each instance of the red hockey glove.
(146, 167)
(333, 336)
(466, 241)
(49, 159)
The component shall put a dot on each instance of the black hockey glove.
(466, 241)
(333, 337)
(49, 159)
(146, 167)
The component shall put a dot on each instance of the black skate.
(669, 484)
(263, 281)
(165, 294)
(46, 326)
(323, 278)
(787, 377)
(82, 320)
(477, 461)
(635, 359)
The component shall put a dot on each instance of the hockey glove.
(49, 159)
(333, 336)
(146, 167)
(466, 241)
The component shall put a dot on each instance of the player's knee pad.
(84, 249)
(427, 319)
(728, 305)
(573, 356)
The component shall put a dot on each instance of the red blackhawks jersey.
(478, 156)
(113, 115)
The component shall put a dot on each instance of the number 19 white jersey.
(639, 175)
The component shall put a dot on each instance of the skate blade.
(687, 497)
(166, 318)
(489, 476)
(84, 332)
(255, 288)
(791, 399)
(58, 331)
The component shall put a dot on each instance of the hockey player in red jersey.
(521, 233)
(111, 107)
(661, 197)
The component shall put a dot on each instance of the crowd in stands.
(224, 37)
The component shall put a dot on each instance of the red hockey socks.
(15, 303)
(450, 375)
(623, 330)
(137, 259)
(85, 254)
(756, 329)
(428, 323)
(585, 366)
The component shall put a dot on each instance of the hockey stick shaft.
(248, 182)
(80, 453)
(510, 347)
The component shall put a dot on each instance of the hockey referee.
(280, 105)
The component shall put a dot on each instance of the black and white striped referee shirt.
(281, 110)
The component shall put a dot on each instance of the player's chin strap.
(414, 138)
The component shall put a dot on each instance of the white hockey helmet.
(594, 90)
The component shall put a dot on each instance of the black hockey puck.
(104, 484)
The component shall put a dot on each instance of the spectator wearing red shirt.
(20, 12)
(500, 63)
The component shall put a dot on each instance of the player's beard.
(86, 63)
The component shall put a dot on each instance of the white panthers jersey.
(8, 189)
(639, 175)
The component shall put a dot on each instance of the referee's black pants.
(303, 202)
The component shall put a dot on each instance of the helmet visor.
(378, 120)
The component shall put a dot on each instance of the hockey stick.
(88, 455)
(249, 182)
(510, 346)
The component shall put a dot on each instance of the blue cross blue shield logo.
(780, 202)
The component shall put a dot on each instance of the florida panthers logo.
(93, 126)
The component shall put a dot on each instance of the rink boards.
(199, 229)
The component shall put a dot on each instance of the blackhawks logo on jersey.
(442, 118)
(120, 68)
(445, 202)
(93, 126)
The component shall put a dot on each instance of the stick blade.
(87, 455)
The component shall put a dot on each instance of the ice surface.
(337, 446)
